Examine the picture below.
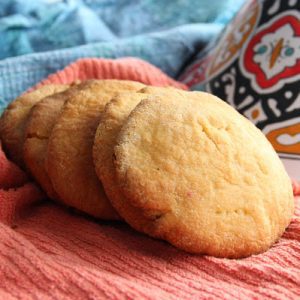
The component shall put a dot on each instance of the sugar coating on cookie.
(69, 159)
(14, 118)
(113, 117)
(40, 123)
(204, 176)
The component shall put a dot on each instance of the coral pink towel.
(49, 252)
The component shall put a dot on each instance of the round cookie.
(69, 161)
(207, 179)
(14, 118)
(40, 123)
(113, 117)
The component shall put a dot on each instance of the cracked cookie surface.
(69, 159)
(205, 178)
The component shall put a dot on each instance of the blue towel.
(40, 37)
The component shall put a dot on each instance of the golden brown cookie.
(162, 91)
(14, 118)
(113, 117)
(207, 180)
(40, 123)
(69, 157)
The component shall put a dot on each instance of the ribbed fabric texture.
(129, 68)
(50, 252)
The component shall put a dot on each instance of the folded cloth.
(49, 252)
(166, 33)
(122, 68)
(41, 25)
(169, 50)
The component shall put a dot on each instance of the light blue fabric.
(166, 33)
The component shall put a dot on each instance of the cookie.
(206, 179)
(14, 118)
(113, 117)
(162, 91)
(40, 123)
(69, 161)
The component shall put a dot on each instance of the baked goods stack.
(184, 167)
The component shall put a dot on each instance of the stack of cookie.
(180, 166)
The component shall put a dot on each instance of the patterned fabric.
(48, 252)
(255, 67)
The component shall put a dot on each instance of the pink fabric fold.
(49, 252)
(129, 68)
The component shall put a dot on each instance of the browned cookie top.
(40, 123)
(69, 157)
(14, 118)
(206, 178)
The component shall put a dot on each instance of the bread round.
(205, 177)
(14, 118)
(40, 123)
(69, 161)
